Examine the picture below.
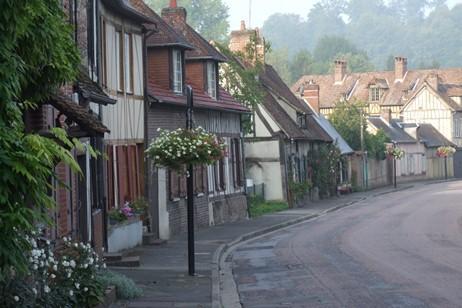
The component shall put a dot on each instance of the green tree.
(38, 56)
(279, 59)
(347, 118)
(208, 17)
(301, 64)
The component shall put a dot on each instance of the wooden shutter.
(221, 166)
(170, 68)
(173, 185)
(238, 163)
(204, 179)
(183, 187)
(110, 177)
(232, 158)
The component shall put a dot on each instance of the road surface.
(397, 250)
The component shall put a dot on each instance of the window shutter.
(216, 171)
(238, 163)
(204, 179)
(173, 185)
(233, 161)
(183, 187)
(217, 79)
(222, 174)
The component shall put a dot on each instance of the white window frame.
(118, 55)
(177, 66)
(375, 94)
(212, 79)
(128, 62)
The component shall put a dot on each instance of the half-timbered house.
(178, 56)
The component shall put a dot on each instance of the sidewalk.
(163, 273)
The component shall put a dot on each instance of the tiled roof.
(126, 9)
(392, 130)
(91, 90)
(225, 101)
(165, 35)
(356, 85)
(78, 114)
(431, 136)
(273, 82)
(202, 48)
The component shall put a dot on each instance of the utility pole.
(362, 147)
(190, 187)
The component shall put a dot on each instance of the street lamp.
(394, 165)
(190, 187)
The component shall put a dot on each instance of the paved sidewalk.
(163, 271)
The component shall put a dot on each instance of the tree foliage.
(208, 17)
(347, 118)
(37, 55)
(428, 32)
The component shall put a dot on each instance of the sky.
(262, 9)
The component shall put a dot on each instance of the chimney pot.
(340, 70)
(173, 4)
(242, 25)
(400, 68)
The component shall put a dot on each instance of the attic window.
(177, 71)
(212, 79)
(301, 119)
(375, 93)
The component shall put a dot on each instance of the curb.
(224, 248)
(393, 191)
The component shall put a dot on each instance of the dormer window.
(212, 79)
(375, 93)
(301, 119)
(177, 66)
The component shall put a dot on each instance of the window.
(177, 71)
(457, 128)
(103, 52)
(301, 119)
(128, 62)
(374, 94)
(120, 60)
(212, 79)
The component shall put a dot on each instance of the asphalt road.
(397, 250)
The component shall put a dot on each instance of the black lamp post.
(190, 187)
(394, 165)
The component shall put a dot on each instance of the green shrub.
(125, 287)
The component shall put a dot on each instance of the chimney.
(240, 39)
(175, 15)
(310, 92)
(400, 68)
(340, 71)
(433, 80)
(386, 115)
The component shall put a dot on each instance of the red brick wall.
(195, 75)
(159, 67)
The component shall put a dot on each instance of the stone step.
(125, 262)
(114, 256)
(149, 239)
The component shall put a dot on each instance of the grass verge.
(259, 207)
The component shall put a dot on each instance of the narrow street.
(396, 250)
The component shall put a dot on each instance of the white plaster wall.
(262, 149)
(428, 108)
(269, 119)
(270, 174)
(164, 220)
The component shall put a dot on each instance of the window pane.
(211, 79)
(127, 62)
(177, 72)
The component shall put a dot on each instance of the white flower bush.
(64, 278)
(175, 149)
(395, 153)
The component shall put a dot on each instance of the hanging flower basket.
(445, 151)
(394, 153)
(175, 149)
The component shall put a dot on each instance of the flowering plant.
(445, 151)
(394, 153)
(122, 214)
(62, 278)
(174, 149)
